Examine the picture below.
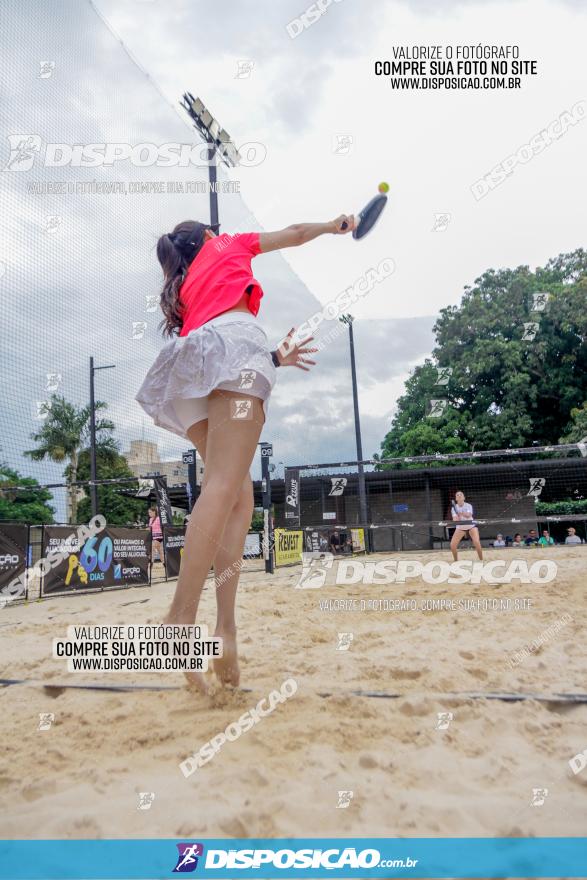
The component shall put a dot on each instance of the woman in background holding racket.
(462, 514)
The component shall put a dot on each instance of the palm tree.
(65, 433)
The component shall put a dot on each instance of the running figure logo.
(344, 641)
(441, 221)
(437, 408)
(344, 799)
(187, 860)
(241, 409)
(146, 799)
(23, 149)
(314, 566)
(46, 69)
(539, 301)
(244, 68)
(537, 484)
(444, 719)
(247, 379)
(443, 374)
(338, 486)
(530, 331)
(46, 719)
(53, 381)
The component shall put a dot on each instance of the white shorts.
(229, 352)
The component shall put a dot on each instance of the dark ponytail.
(175, 252)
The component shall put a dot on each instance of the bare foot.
(226, 667)
(195, 680)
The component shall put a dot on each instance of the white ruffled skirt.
(230, 352)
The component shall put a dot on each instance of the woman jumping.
(462, 514)
(211, 384)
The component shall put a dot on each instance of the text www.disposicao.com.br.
(134, 664)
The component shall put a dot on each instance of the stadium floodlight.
(210, 129)
(219, 143)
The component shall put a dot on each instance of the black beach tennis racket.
(369, 216)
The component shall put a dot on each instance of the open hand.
(290, 353)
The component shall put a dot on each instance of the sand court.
(324, 761)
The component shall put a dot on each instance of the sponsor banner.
(163, 502)
(336, 541)
(289, 546)
(114, 557)
(292, 497)
(253, 544)
(13, 551)
(358, 540)
(375, 857)
(173, 544)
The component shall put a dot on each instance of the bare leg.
(475, 538)
(454, 544)
(227, 568)
(230, 446)
(157, 546)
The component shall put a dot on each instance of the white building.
(144, 461)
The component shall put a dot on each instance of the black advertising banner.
(114, 557)
(13, 551)
(292, 497)
(173, 543)
(163, 502)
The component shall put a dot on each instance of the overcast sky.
(430, 146)
(77, 292)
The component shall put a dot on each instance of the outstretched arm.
(300, 233)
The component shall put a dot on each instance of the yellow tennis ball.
(383, 187)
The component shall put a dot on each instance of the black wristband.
(275, 359)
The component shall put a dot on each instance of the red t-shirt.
(217, 279)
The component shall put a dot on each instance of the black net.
(409, 501)
(79, 276)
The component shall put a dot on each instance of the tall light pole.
(348, 320)
(93, 477)
(219, 143)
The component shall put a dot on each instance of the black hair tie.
(181, 241)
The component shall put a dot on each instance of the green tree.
(119, 509)
(64, 434)
(505, 390)
(28, 505)
(412, 432)
(257, 520)
(577, 427)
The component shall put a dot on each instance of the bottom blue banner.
(310, 857)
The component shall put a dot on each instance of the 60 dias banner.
(113, 558)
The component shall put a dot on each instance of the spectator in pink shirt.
(156, 534)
